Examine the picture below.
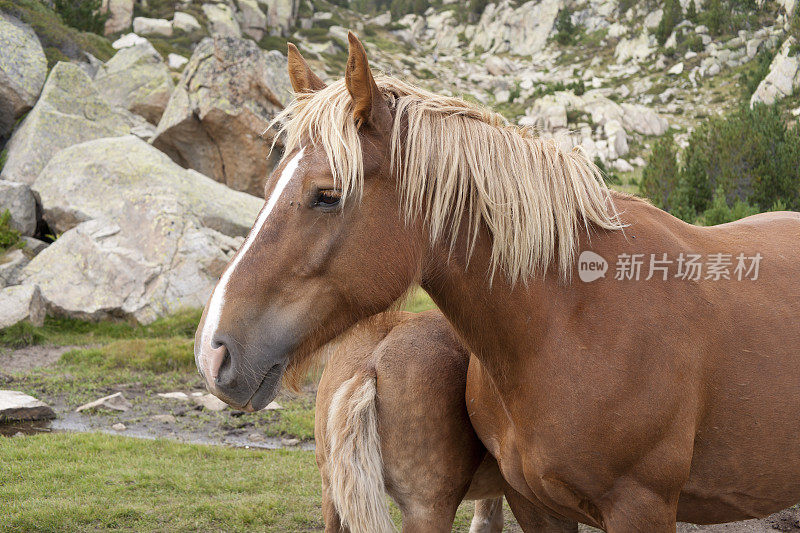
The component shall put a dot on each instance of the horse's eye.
(328, 198)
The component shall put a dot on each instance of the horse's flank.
(455, 159)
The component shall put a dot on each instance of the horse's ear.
(369, 106)
(302, 78)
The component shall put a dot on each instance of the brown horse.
(624, 399)
(391, 417)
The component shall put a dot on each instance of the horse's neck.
(487, 317)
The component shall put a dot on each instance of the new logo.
(591, 266)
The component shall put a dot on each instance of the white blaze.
(218, 296)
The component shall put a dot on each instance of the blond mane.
(458, 160)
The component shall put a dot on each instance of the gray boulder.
(15, 405)
(120, 14)
(221, 21)
(137, 79)
(142, 237)
(11, 264)
(23, 69)
(19, 200)
(519, 30)
(217, 118)
(251, 19)
(69, 111)
(185, 22)
(149, 26)
(783, 77)
(20, 303)
(281, 14)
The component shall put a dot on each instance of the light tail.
(355, 465)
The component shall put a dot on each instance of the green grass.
(152, 355)
(61, 331)
(20, 335)
(86, 482)
(89, 482)
(417, 301)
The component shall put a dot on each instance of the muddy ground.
(152, 416)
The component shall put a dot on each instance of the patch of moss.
(54, 55)
(274, 42)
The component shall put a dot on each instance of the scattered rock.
(19, 200)
(148, 26)
(11, 264)
(185, 22)
(20, 303)
(217, 118)
(281, 14)
(220, 21)
(33, 246)
(210, 402)
(23, 69)
(174, 395)
(623, 166)
(273, 406)
(119, 426)
(176, 62)
(120, 13)
(290, 442)
(548, 114)
(644, 120)
(496, 66)
(128, 40)
(166, 418)
(142, 237)
(523, 30)
(382, 20)
(137, 79)
(676, 69)
(783, 77)
(252, 20)
(15, 405)
(116, 401)
(636, 49)
(70, 110)
(256, 437)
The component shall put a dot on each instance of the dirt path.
(30, 357)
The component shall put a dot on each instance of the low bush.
(565, 29)
(83, 15)
(733, 166)
(9, 237)
(672, 15)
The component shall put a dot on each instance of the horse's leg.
(533, 520)
(429, 520)
(333, 523)
(488, 517)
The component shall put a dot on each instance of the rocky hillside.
(131, 161)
